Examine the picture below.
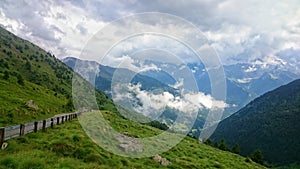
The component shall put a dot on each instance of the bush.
(223, 145)
(6, 75)
(20, 79)
(236, 149)
(208, 142)
(257, 157)
(158, 125)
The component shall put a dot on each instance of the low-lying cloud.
(152, 104)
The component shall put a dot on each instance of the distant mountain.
(34, 84)
(245, 81)
(269, 123)
(258, 78)
(103, 79)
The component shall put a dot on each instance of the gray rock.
(129, 143)
(162, 161)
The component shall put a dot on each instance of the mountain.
(269, 123)
(34, 84)
(244, 81)
(103, 80)
(258, 77)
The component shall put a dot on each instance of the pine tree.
(257, 156)
(207, 141)
(236, 149)
(223, 145)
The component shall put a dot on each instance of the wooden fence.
(9, 132)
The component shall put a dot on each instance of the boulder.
(162, 161)
(30, 104)
(129, 143)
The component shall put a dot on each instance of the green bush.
(257, 156)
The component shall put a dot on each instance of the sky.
(239, 31)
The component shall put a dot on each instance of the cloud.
(59, 27)
(153, 104)
(239, 31)
(179, 83)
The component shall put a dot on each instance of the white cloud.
(146, 102)
(244, 80)
(179, 83)
(250, 69)
(239, 30)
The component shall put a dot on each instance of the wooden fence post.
(22, 129)
(2, 132)
(35, 126)
(44, 126)
(52, 124)
(62, 119)
(57, 120)
(75, 115)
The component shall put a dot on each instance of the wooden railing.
(9, 132)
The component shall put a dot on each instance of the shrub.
(20, 79)
(257, 157)
(6, 75)
(236, 149)
(223, 145)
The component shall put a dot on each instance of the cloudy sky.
(238, 30)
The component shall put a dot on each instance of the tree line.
(256, 156)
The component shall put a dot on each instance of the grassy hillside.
(269, 123)
(67, 146)
(27, 73)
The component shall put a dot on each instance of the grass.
(13, 98)
(68, 146)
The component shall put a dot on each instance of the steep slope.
(269, 123)
(33, 83)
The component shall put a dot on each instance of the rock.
(129, 143)
(162, 161)
(32, 105)
(4, 145)
(157, 158)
